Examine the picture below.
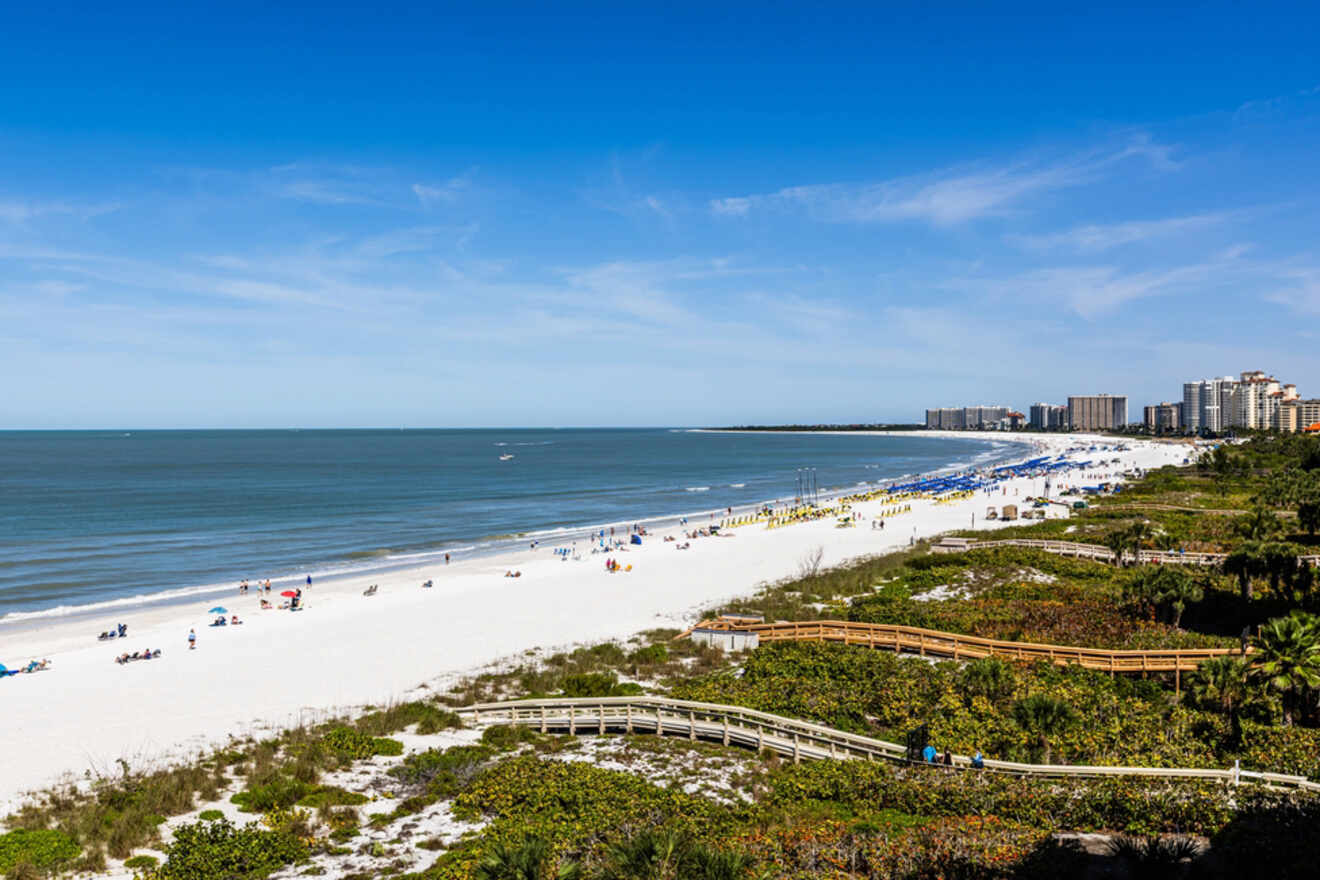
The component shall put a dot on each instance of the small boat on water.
(506, 456)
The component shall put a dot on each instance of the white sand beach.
(345, 650)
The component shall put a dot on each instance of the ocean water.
(104, 517)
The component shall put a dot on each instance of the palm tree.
(1117, 542)
(1245, 563)
(708, 863)
(1308, 516)
(1257, 525)
(1281, 563)
(1166, 586)
(655, 854)
(1138, 534)
(1043, 717)
(1288, 658)
(659, 854)
(988, 677)
(1223, 683)
(1177, 590)
(532, 858)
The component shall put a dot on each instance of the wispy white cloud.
(320, 192)
(1096, 290)
(945, 198)
(658, 207)
(24, 210)
(1260, 109)
(1298, 289)
(446, 193)
(1102, 237)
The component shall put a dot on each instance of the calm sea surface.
(101, 517)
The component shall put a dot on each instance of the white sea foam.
(697, 489)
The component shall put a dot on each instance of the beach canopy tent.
(637, 539)
(289, 593)
(219, 609)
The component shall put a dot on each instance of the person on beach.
(446, 559)
(192, 639)
(309, 582)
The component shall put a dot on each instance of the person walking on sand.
(192, 639)
(309, 582)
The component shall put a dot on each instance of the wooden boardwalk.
(1096, 552)
(798, 740)
(955, 646)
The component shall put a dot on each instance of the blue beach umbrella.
(218, 610)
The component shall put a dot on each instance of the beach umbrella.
(289, 593)
(218, 610)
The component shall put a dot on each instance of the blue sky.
(590, 215)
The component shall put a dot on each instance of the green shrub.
(142, 861)
(279, 791)
(1133, 806)
(207, 815)
(651, 655)
(507, 736)
(350, 743)
(428, 717)
(220, 851)
(589, 684)
(353, 744)
(387, 747)
(443, 773)
(42, 849)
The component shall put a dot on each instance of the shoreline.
(345, 651)
(19, 622)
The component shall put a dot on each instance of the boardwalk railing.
(934, 643)
(1092, 551)
(799, 740)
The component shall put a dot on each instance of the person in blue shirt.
(978, 760)
(928, 754)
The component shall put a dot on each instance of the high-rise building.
(1163, 417)
(1254, 400)
(967, 417)
(1097, 412)
(1048, 416)
(1207, 405)
(1191, 405)
(1298, 415)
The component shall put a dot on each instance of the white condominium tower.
(1253, 400)
(1208, 404)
